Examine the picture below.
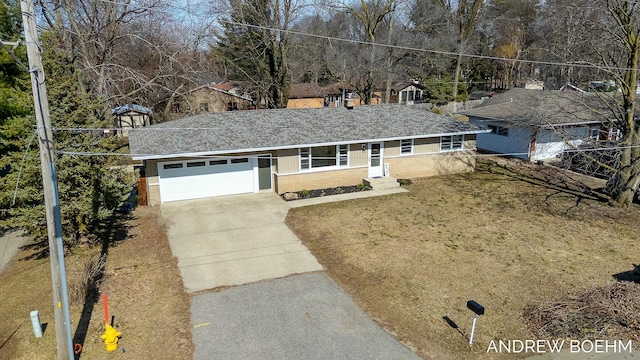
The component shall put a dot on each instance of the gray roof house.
(538, 125)
(287, 150)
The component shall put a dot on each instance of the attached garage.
(202, 178)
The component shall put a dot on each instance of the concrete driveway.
(10, 242)
(234, 240)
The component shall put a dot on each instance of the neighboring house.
(406, 92)
(532, 85)
(285, 150)
(131, 116)
(306, 96)
(355, 99)
(482, 95)
(333, 94)
(226, 96)
(537, 125)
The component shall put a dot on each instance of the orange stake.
(106, 309)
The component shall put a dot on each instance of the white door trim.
(376, 163)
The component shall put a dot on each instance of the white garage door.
(202, 178)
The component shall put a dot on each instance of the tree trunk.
(628, 176)
(456, 76)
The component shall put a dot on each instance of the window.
(457, 142)
(204, 106)
(218, 162)
(324, 156)
(196, 164)
(406, 146)
(344, 155)
(595, 134)
(453, 142)
(239, 161)
(304, 159)
(499, 130)
(172, 166)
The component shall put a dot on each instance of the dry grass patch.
(145, 293)
(508, 236)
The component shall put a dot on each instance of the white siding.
(515, 144)
(550, 144)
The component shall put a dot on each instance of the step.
(379, 183)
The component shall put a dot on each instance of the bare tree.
(624, 34)
(370, 16)
(512, 28)
(125, 51)
(463, 14)
(568, 27)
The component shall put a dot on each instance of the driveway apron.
(298, 317)
(234, 240)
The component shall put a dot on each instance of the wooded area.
(103, 54)
(145, 51)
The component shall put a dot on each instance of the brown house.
(227, 96)
(306, 96)
(406, 92)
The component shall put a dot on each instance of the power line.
(190, 11)
(439, 52)
(4, 45)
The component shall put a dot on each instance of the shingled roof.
(537, 108)
(260, 130)
(305, 91)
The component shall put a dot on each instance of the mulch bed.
(307, 194)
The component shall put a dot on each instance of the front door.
(375, 160)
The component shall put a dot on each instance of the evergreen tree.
(15, 100)
(91, 189)
(252, 50)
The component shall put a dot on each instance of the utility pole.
(52, 204)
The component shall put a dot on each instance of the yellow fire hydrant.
(110, 338)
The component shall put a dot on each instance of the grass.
(508, 236)
(145, 295)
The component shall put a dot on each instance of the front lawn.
(509, 236)
(146, 298)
